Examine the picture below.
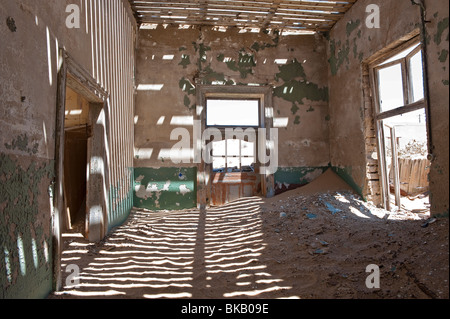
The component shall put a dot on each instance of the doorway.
(233, 159)
(235, 138)
(398, 86)
(77, 132)
(81, 185)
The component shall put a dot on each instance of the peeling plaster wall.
(351, 42)
(172, 61)
(165, 188)
(437, 37)
(31, 31)
(351, 127)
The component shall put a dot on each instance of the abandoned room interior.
(223, 149)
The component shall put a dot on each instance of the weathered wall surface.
(437, 38)
(351, 42)
(31, 33)
(166, 97)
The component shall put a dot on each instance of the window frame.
(407, 82)
(240, 156)
(408, 107)
(223, 129)
(227, 98)
(262, 92)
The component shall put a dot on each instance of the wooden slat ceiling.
(305, 15)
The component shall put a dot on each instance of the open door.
(78, 131)
(80, 193)
(399, 90)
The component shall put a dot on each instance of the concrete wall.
(32, 31)
(207, 56)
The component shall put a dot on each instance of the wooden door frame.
(373, 65)
(264, 94)
(73, 75)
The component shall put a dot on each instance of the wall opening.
(234, 155)
(236, 123)
(78, 130)
(81, 163)
(397, 83)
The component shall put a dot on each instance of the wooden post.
(58, 205)
(394, 168)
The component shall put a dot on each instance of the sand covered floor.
(311, 243)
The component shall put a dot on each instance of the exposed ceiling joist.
(307, 15)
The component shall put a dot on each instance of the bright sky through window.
(401, 82)
(232, 112)
(417, 76)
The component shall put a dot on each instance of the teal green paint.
(352, 26)
(185, 61)
(182, 49)
(120, 208)
(296, 91)
(293, 89)
(443, 56)
(25, 271)
(209, 76)
(346, 175)
(327, 118)
(297, 120)
(161, 189)
(445, 82)
(201, 49)
(259, 46)
(311, 109)
(290, 71)
(442, 26)
(342, 55)
(187, 101)
(187, 86)
(21, 144)
(256, 46)
(297, 175)
(294, 108)
(244, 66)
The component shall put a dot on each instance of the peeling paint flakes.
(166, 186)
(184, 190)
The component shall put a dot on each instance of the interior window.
(232, 112)
(400, 80)
(233, 154)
